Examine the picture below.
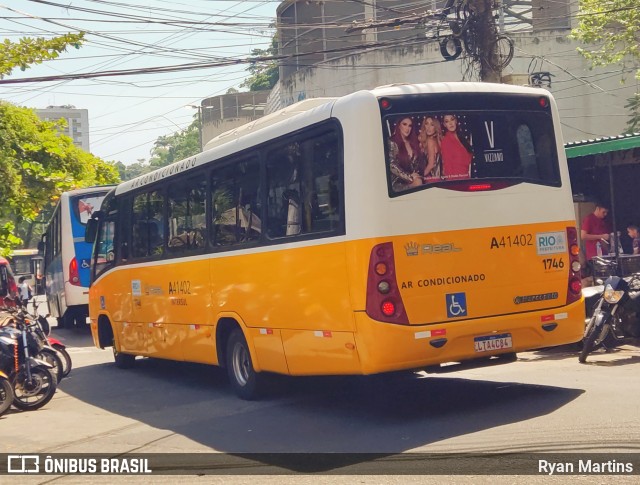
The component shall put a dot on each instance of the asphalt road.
(546, 402)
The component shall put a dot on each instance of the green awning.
(601, 145)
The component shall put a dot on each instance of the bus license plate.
(492, 342)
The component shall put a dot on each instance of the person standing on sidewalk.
(595, 229)
(24, 289)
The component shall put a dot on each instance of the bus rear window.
(424, 149)
(84, 205)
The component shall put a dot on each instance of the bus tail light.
(474, 186)
(574, 290)
(384, 302)
(74, 276)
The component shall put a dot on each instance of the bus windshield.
(424, 148)
(84, 205)
(22, 263)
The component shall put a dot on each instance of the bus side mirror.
(91, 231)
(41, 247)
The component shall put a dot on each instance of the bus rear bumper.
(384, 347)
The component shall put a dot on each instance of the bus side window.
(148, 214)
(283, 189)
(527, 152)
(302, 184)
(187, 223)
(105, 257)
(235, 202)
(324, 205)
(139, 234)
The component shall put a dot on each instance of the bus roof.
(455, 87)
(289, 119)
(24, 252)
(302, 114)
(88, 190)
(268, 120)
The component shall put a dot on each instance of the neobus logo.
(413, 248)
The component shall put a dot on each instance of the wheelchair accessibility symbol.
(456, 305)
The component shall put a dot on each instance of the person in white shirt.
(24, 290)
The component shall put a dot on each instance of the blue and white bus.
(67, 255)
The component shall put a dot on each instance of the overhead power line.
(194, 66)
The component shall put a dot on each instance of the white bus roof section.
(263, 129)
(454, 87)
(302, 114)
(268, 120)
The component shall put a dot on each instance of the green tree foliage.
(611, 31)
(176, 147)
(264, 74)
(133, 170)
(28, 51)
(38, 164)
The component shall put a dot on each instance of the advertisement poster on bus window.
(428, 148)
(85, 206)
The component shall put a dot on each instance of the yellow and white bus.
(324, 239)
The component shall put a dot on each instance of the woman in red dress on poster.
(456, 152)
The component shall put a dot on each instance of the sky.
(127, 113)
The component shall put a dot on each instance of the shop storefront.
(608, 170)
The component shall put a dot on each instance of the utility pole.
(487, 37)
(467, 26)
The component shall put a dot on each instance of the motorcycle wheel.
(6, 395)
(50, 356)
(65, 357)
(35, 393)
(592, 338)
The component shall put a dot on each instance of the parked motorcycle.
(32, 379)
(616, 316)
(43, 330)
(36, 339)
(6, 393)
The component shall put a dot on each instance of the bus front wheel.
(244, 380)
(123, 361)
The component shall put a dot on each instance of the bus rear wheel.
(245, 381)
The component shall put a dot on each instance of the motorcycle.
(37, 341)
(616, 316)
(32, 379)
(6, 393)
(42, 329)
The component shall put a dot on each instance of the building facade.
(228, 111)
(330, 56)
(77, 122)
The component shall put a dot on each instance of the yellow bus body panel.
(303, 309)
(496, 271)
(386, 347)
